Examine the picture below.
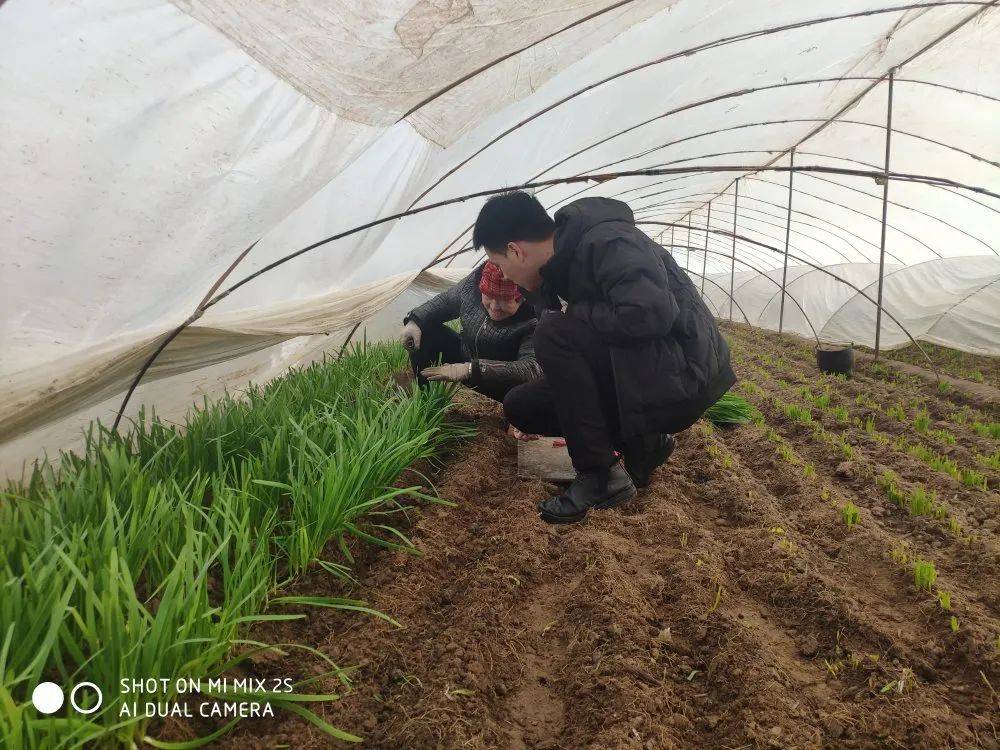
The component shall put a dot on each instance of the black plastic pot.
(835, 358)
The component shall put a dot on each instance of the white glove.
(409, 337)
(454, 373)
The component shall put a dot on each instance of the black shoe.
(644, 453)
(590, 489)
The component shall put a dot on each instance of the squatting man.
(584, 328)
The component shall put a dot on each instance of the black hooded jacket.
(668, 355)
(502, 352)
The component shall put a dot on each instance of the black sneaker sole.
(550, 518)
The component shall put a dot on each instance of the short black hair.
(509, 217)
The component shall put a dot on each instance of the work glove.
(454, 373)
(409, 337)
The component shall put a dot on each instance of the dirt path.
(726, 607)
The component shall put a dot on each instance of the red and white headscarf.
(493, 284)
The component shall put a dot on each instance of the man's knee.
(515, 406)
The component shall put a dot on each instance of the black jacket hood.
(573, 221)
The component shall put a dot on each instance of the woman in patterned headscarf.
(495, 349)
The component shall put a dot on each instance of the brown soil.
(728, 606)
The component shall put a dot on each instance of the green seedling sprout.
(718, 599)
(786, 453)
(851, 513)
(881, 370)
(798, 413)
(943, 435)
(863, 400)
(924, 574)
(900, 554)
(973, 478)
(992, 461)
(921, 501)
(954, 624)
(889, 482)
(987, 429)
(846, 449)
(944, 598)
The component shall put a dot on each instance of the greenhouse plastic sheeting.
(952, 305)
(147, 144)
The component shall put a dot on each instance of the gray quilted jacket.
(502, 352)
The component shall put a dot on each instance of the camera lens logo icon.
(47, 697)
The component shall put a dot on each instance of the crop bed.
(826, 577)
(146, 559)
(973, 367)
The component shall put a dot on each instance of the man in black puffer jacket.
(495, 350)
(635, 356)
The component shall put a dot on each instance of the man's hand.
(409, 337)
(453, 373)
(518, 435)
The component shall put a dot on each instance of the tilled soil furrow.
(966, 450)
(811, 601)
(859, 604)
(975, 511)
(800, 359)
(964, 561)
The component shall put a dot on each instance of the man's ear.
(516, 250)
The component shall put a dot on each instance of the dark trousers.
(439, 344)
(576, 398)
